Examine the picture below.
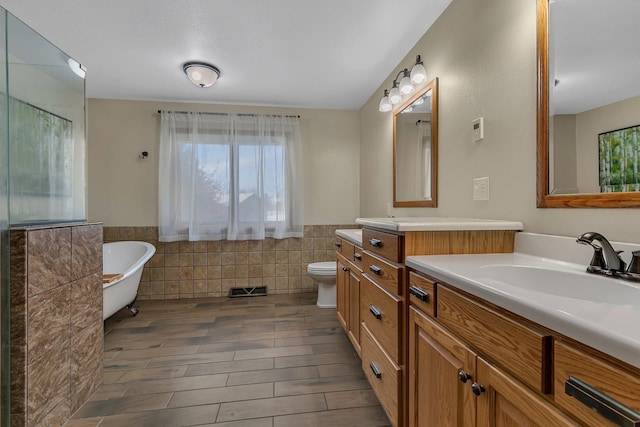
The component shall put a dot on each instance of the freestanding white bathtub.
(126, 258)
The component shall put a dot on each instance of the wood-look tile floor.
(274, 361)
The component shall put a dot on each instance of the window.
(228, 176)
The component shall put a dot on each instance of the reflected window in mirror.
(588, 103)
(415, 149)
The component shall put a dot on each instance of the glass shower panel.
(46, 104)
(4, 232)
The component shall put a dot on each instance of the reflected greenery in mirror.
(415, 149)
(588, 103)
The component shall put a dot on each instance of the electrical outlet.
(481, 188)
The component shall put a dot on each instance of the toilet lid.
(328, 267)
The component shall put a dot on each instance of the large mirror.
(415, 149)
(588, 103)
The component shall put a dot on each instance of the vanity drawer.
(357, 257)
(422, 294)
(347, 249)
(380, 311)
(523, 351)
(383, 374)
(610, 380)
(383, 272)
(384, 244)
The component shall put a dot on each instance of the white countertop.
(353, 235)
(596, 317)
(438, 224)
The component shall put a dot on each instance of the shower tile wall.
(56, 321)
(211, 269)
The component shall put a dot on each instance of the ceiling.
(330, 54)
(593, 53)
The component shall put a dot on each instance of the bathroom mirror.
(415, 149)
(588, 125)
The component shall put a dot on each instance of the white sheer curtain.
(229, 176)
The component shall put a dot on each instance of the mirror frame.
(543, 198)
(433, 202)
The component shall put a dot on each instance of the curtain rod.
(224, 114)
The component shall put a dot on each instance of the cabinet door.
(504, 402)
(342, 289)
(354, 308)
(441, 370)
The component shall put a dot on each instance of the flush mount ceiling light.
(201, 74)
(405, 86)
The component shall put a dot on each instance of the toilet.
(325, 274)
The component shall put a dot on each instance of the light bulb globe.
(385, 104)
(395, 96)
(405, 86)
(418, 74)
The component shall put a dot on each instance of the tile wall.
(56, 321)
(211, 269)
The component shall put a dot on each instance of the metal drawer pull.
(610, 409)
(376, 313)
(375, 370)
(357, 256)
(375, 270)
(345, 269)
(337, 244)
(376, 242)
(419, 293)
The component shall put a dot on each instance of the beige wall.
(123, 190)
(562, 153)
(484, 53)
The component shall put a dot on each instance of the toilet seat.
(327, 268)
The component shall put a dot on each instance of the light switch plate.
(481, 188)
(478, 129)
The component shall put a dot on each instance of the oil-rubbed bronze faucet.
(607, 261)
(604, 256)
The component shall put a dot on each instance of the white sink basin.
(561, 283)
(354, 235)
(546, 282)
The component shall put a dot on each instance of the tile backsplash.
(212, 268)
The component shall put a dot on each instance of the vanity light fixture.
(394, 95)
(404, 86)
(418, 73)
(201, 74)
(385, 104)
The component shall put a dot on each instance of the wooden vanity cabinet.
(504, 401)
(465, 364)
(437, 396)
(610, 389)
(342, 291)
(348, 278)
(384, 302)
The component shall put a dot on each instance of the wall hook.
(144, 155)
